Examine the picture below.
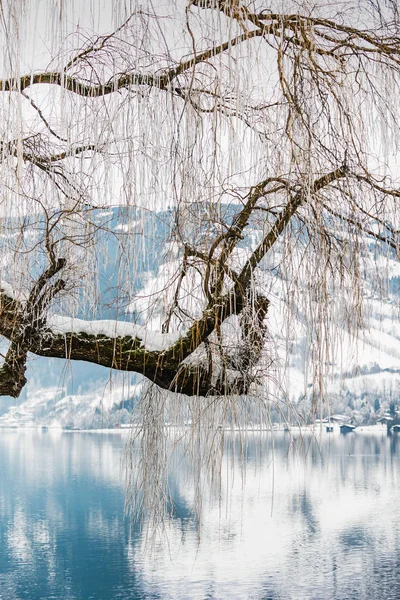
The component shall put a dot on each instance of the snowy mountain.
(362, 377)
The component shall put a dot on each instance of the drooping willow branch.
(305, 44)
(301, 39)
(27, 330)
(339, 36)
(161, 80)
(359, 222)
(299, 31)
(30, 154)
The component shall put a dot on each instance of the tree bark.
(26, 328)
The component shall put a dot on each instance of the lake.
(305, 519)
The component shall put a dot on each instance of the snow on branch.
(151, 341)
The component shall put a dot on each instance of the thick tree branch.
(283, 220)
(168, 368)
(21, 324)
(161, 80)
(339, 35)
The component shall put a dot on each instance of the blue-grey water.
(302, 521)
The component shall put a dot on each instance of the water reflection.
(318, 521)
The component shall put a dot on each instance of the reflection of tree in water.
(302, 504)
(331, 518)
(326, 537)
(394, 444)
(268, 592)
(178, 507)
(354, 537)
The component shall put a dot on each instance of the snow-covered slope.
(361, 373)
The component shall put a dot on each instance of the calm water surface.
(321, 521)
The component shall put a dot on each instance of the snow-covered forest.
(201, 197)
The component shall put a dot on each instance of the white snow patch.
(150, 340)
(7, 289)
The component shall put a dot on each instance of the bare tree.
(268, 133)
